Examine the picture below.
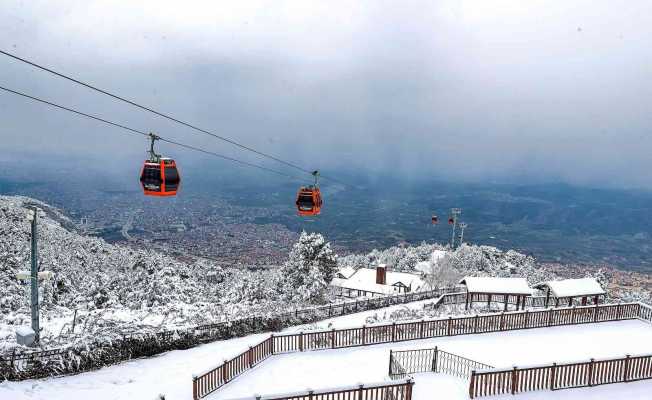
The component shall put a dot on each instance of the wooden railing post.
(434, 359)
(301, 341)
(626, 368)
(527, 319)
(472, 385)
(573, 315)
(502, 321)
(595, 313)
(272, 342)
(619, 311)
(250, 356)
(408, 389)
(389, 369)
(421, 329)
(449, 326)
(475, 323)
(360, 391)
(393, 331)
(310, 394)
(333, 338)
(549, 316)
(553, 376)
(195, 391)
(514, 379)
(225, 376)
(590, 372)
(364, 334)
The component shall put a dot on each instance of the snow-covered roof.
(496, 285)
(346, 272)
(365, 279)
(573, 287)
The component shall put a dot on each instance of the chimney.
(381, 274)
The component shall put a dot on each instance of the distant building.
(376, 282)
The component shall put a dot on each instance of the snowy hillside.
(113, 288)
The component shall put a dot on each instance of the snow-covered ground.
(170, 373)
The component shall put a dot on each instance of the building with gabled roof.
(496, 288)
(567, 290)
(377, 281)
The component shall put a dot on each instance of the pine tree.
(311, 266)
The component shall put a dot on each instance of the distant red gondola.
(309, 201)
(435, 220)
(159, 175)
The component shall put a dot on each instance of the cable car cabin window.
(171, 175)
(305, 202)
(152, 173)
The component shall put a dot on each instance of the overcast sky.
(478, 90)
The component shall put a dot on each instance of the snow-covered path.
(170, 373)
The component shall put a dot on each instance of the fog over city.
(505, 91)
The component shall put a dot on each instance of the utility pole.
(34, 278)
(455, 212)
(462, 226)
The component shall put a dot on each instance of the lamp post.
(33, 215)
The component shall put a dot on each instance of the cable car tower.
(452, 220)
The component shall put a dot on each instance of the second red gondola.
(309, 201)
(159, 175)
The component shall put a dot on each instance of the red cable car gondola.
(435, 220)
(159, 175)
(309, 200)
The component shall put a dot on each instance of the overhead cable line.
(161, 114)
(143, 133)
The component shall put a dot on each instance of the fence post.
(360, 386)
(333, 338)
(393, 331)
(472, 385)
(301, 341)
(250, 354)
(224, 374)
(626, 372)
(272, 341)
(573, 315)
(421, 329)
(553, 373)
(595, 313)
(310, 393)
(330, 306)
(194, 388)
(527, 319)
(448, 327)
(389, 369)
(502, 321)
(364, 334)
(514, 379)
(475, 323)
(434, 360)
(549, 316)
(408, 389)
(619, 311)
(590, 372)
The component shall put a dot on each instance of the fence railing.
(376, 391)
(72, 359)
(560, 376)
(368, 335)
(460, 298)
(406, 362)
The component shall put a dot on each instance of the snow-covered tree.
(310, 268)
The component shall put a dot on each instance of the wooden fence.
(406, 362)
(367, 335)
(560, 376)
(378, 391)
